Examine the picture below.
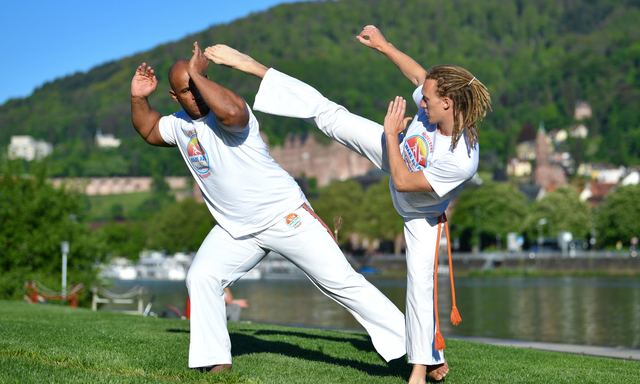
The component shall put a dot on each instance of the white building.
(106, 141)
(632, 178)
(582, 110)
(28, 148)
(519, 167)
(580, 131)
(610, 175)
(602, 173)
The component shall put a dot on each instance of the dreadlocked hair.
(470, 97)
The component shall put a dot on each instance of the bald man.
(258, 206)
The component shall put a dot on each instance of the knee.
(198, 277)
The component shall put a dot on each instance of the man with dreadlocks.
(435, 156)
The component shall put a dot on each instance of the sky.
(41, 41)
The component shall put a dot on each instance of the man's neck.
(445, 129)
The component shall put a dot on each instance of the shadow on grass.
(247, 344)
(244, 344)
(359, 341)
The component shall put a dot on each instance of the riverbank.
(594, 310)
(514, 264)
(51, 343)
(591, 350)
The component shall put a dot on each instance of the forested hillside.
(536, 57)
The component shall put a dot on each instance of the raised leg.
(283, 95)
(224, 55)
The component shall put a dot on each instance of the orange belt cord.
(439, 339)
(455, 316)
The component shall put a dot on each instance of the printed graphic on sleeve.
(198, 156)
(293, 220)
(415, 151)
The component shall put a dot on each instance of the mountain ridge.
(538, 58)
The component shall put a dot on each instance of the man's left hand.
(199, 63)
(394, 121)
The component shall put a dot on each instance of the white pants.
(222, 260)
(283, 95)
(421, 238)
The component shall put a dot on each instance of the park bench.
(134, 295)
(36, 292)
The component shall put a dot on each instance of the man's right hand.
(372, 38)
(144, 82)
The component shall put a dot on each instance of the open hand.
(144, 82)
(198, 64)
(394, 121)
(241, 302)
(372, 37)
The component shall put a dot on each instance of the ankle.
(220, 368)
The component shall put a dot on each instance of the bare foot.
(418, 374)
(220, 368)
(438, 372)
(224, 55)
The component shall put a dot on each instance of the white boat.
(155, 265)
(119, 269)
(275, 266)
(254, 274)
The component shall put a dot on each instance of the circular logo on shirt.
(197, 155)
(416, 151)
(293, 220)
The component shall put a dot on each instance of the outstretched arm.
(145, 119)
(372, 38)
(228, 106)
(403, 179)
(228, 299)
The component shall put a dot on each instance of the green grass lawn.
(102, 206)
(57, 344)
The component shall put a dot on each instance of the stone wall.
(303, 155)
(96, 186)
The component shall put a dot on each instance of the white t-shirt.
(244, 188)
(446, 169)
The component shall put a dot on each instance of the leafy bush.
(35, 218)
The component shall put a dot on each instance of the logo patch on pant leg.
(293, 220)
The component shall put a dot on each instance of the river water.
(601, 311)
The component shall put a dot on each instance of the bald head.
(178, 71)
(184, 91)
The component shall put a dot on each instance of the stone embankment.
(601, 261)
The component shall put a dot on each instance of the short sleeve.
(167, 130)
(445, 176)
(417, 96)
(250, 124)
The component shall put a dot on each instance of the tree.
(180, 226)
(618, 217)
(563, 210)
(340, 198)
(35, 218)
(380, 219)
(124, 239)
(497, 208)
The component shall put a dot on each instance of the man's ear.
(173, 94)
(447, 103)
